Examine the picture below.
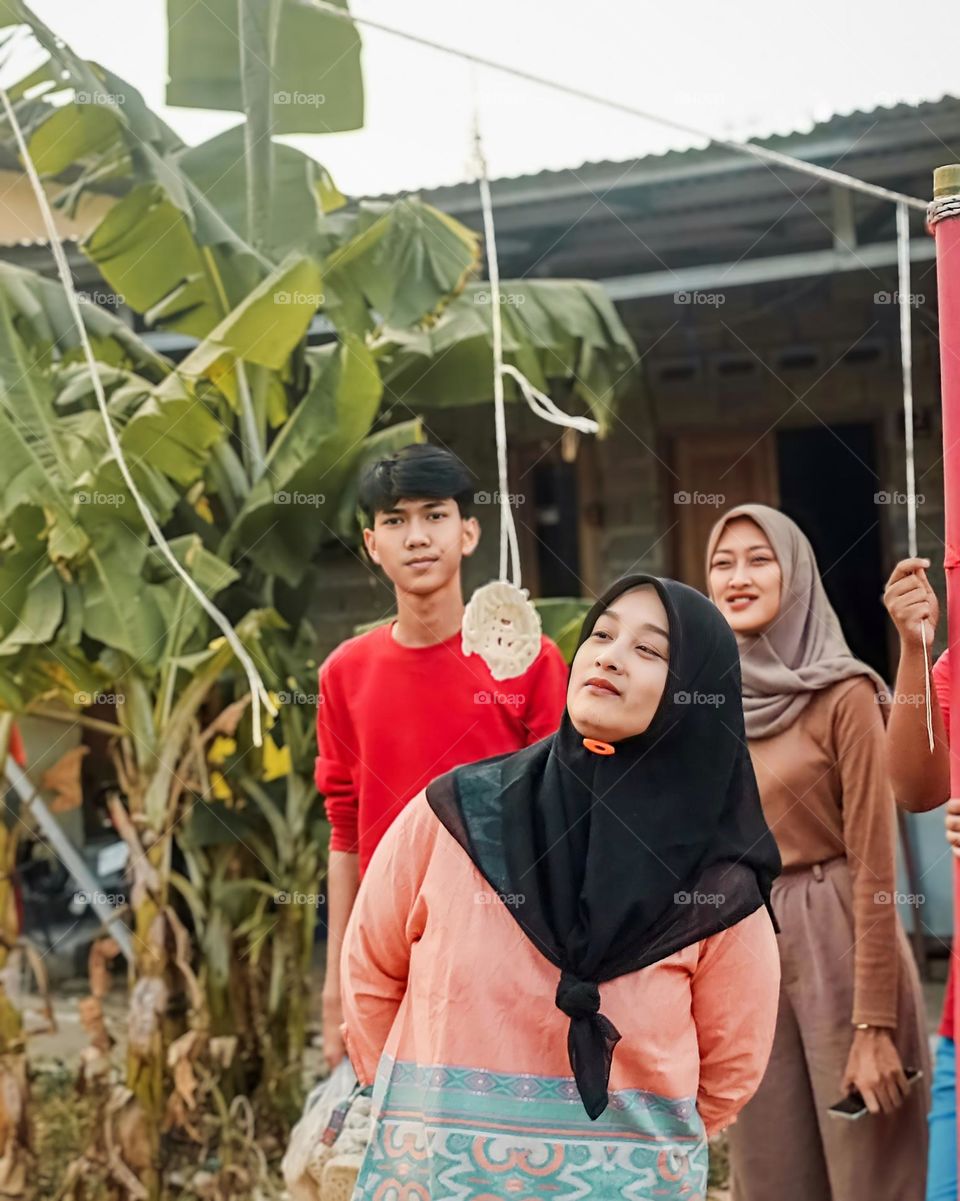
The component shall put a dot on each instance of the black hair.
(415, 472)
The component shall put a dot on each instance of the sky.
(734, 68)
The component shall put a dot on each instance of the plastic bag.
(312, 1139)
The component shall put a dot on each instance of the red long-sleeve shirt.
(392, 718)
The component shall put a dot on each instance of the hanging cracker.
(503, 628)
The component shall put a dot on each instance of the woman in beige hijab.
(851, 1011)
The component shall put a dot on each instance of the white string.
(539, 402)
(508, 531)
(906, 362)
(760, 152)
(544, 407)
(941, 207)
(258, 691)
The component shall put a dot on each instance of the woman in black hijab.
(561, 970)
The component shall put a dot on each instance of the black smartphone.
(853, 1106)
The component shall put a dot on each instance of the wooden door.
(715, 470)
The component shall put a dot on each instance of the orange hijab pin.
(598, 747)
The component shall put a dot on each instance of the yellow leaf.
(220, 748)
(276, 760)
(268, 719)
(220, 787)
(202, 507)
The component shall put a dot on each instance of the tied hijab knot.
(577, 998)
(590, 1040)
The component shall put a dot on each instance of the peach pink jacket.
(449, 1011)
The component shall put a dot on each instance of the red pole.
(946, 183)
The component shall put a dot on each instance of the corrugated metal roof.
(673, 164)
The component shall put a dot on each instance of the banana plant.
(247, 452)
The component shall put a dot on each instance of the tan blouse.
(825, 793)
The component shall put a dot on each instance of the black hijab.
(612, 862)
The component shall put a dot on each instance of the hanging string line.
(827, 174)
(508, 529)
(539, 402)
(258, 691)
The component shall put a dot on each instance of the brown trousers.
(785, 1146)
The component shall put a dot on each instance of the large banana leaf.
(302, 193)
(55, 446)
(106, 126)
(43, 320)
(133, 601)
(294, 506)
(552, 330)
(313, 59)
(402, 260)
(166, 249)
(263, 330)
(145, 249)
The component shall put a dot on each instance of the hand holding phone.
(853, 1106)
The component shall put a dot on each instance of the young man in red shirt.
(402, 704)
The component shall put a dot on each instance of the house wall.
(760, 325)
(631, 468)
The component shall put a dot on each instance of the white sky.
(734, 67)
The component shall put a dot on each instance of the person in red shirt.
(402, 704)
(921, 781)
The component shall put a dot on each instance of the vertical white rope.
(258, 691)
(508, 531)
(906, 362)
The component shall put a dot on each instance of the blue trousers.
(942, 1164)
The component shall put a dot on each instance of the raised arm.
(920, 777)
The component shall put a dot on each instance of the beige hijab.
(803, 649)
